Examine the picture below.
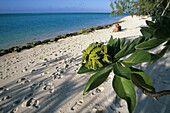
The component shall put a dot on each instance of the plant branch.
(165, 9)
(156, 94)
(159, 3)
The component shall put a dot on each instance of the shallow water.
(19, 29)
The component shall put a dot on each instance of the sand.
(44, 79)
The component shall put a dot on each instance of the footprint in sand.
(14, 110)
(1, 89)
(1, 75)
(77, 105)
(60, 71)
(5, 98)
(44, 73)
(117, 103)
(66, 65)
(56, 75)
(33, 70)
(32, 102)
(23, 80)
(98, 90)
(28, 96)
(24, 70)
(98, 109)
(49, 87)
(36, 85)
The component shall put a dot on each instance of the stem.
(156, 94)
(159, 3)
(165, 9)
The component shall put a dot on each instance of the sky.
(52, 6)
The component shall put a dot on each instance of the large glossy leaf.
(121, 71)
(149, 44)
(139, 56)
(142, 79)
(147, 32)
(84, 69)
(111, 46)
(152, 25)
(162, 33)
(125, 90)
(159, 54)
(97, 79)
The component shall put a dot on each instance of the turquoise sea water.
(19, 29)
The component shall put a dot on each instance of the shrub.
(103, 59)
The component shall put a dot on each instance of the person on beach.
(118, 28)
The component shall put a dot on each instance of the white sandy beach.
(44, 79)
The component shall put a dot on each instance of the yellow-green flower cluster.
(95, 56)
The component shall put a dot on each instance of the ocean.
(19, 29)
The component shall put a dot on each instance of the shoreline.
(56, 38)
(44, 78)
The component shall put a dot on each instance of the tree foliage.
(125, 74)
(103, 59)
(141, 7)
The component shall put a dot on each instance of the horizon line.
(46, 12)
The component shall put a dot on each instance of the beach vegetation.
(56, 38)
(121, 56)
(141, 7)
(36, 43)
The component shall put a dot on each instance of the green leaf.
(131, 47)
(97, 79)
(149, 23)
(160, 54)
(111, 46)
(149, 44)
(111, 41)
(128, 48)
(115, 46)
(142, 79)
(122, 43)
(137, 40)
(162, 33)
(152, 25)
(121, 71)
(139, 56)
(118, 43)
(147, 32)
(125, 90)
(84, 69)
(141, 39)
(121, 53)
